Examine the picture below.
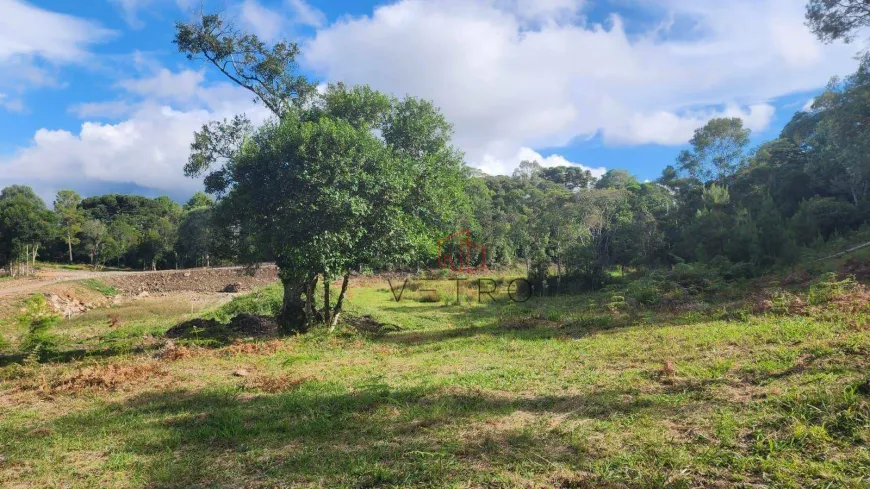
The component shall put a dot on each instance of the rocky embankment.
(235, 279)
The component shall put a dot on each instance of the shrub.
(696, 278)
(647, 290)
(263, 302)
(39, 343)
(829, 288)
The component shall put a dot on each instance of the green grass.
(553, 392)
(103, 288)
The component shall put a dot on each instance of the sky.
(95, 97)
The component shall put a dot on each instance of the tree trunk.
(336, 312)
(327, 308)
(69, 244)
(310, 291)
(293, 318)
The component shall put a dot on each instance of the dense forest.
(126, 231)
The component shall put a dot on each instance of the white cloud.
(808, 106)
(668, 128)
(149, 148)
(11, 104)
(305, 14)
(494, 166)
(34, 41)
(110, 110)
(507, 84)
(166, 85)
(130, 8)
(265, 23)
(26, 30)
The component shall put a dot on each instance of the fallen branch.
(835, 255)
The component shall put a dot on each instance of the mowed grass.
(552, 392)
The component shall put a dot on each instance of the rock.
(233, 288)
(241, 373)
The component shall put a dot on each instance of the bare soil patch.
(241, 326)
(196, 280)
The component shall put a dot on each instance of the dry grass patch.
(108, 377)
(171, 352)
(256, 348)
(276, 383)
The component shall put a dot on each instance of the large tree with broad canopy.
(335, 181)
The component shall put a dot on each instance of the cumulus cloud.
(506, 166)
(34, 42)
(166, 85)
(147, 149)
(265, 23)
(26, 30)
(305, 14)
(507, 84)
(668, 128)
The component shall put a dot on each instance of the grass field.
(568, 392)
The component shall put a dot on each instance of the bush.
(647, 290)
(696, 278)
(39, 343)
(829, 288)
(263, 302)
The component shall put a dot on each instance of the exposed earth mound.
(241, 326)
(199, 280)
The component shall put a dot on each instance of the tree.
(199, 200)
(67, 206)
(618, 179)
(323, 197)
(124, 237)
(717, 150)
(267, 72)
(831, 20)
(25, 223)
(528, 170)
(571, 177)
(94, 233)
(317, 190)
(194, 234)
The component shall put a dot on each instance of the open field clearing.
(551, 392)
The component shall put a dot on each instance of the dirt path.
(28, 285)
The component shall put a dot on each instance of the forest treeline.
(128, 231)
(742, 210)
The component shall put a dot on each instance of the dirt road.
(27, 285)
(24, 286)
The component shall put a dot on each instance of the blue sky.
(96, 98)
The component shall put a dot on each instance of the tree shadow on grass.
(377, 437)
